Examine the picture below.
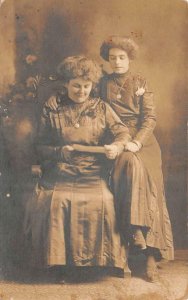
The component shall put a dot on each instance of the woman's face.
(79, 89)
(119, 60)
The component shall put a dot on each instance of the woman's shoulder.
(98, 104)
(106, 76)
(138, 78)
(103, 106)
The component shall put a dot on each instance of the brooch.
(140, 91)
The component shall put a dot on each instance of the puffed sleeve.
(119, 130)
(46, 146)
(147, 116)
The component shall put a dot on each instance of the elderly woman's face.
(119, 60)
(79, 89)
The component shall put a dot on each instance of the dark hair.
(122, 42)
(79, 66)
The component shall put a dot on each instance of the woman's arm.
(147, 117)
(46, 147)
(119, 130)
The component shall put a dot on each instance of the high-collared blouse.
(131, 99)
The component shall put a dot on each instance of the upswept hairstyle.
(122, 42)
(79, 66)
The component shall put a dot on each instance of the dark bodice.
(94, 119)
(136, 111)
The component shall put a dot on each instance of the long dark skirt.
(137, 183)
(74, 224)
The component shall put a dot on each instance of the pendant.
(77, 125)
(118, 96)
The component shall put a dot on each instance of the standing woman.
(137, 178)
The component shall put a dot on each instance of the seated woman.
(137, 177)
(71, 216)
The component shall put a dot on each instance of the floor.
(17, 284)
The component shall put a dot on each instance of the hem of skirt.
(166, 253)
(121, 266)
(87, 262)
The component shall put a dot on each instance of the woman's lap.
(75, 223)
(137, 183)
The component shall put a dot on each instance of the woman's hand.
(66, 151)
(52, 103)
(111, 151)
(132, 147)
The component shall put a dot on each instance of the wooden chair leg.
(126, 271)
(122, 273)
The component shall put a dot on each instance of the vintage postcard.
(93, 149)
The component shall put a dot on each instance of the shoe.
(162, 263)
(152, 274)
(56, 275)
(138, 239)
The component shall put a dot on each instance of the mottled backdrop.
(34, 37)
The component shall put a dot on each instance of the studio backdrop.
(35, 36)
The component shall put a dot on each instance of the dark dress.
(71, 217)
(137, 179)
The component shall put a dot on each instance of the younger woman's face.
(79, 89)
(119, 60)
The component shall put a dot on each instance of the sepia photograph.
(93, 150)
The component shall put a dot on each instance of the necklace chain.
(119, 87)
(83, 112)
(75, 123)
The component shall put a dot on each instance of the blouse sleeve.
(46, 147)
(147, 117)
(119, 130)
